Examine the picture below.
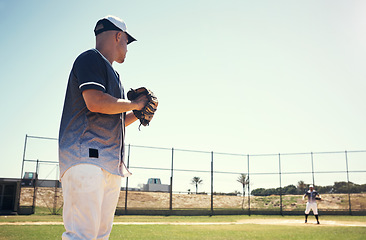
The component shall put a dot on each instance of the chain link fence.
(195, 182)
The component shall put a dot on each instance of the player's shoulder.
(89, 58)
(88, 54)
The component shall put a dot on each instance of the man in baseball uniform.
(312, 196)
(91, 135)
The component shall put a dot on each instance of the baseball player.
(92, 131)
(312, 196)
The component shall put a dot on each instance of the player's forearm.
(113, 106)
(130, 118)
(97, 101)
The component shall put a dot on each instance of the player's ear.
(118, 36)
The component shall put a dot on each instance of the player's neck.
(106, 53)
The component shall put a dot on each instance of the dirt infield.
(290, 222)
(160, 200)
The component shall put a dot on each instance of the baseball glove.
(147, 113)
(318, 198)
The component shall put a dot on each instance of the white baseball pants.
(90, 199)
(311, 206)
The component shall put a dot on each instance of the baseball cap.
(112, 23)
(311, 186)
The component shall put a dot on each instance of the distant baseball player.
(92, 132)
(311, 204)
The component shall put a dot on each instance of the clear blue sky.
(231, 76)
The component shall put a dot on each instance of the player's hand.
(140, 102)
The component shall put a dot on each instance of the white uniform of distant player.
(311, 204)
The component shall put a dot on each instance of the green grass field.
(163, 230)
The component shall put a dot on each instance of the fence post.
(212, 189)
(25, 147)
(279, 169)
(312, 168)
(56, 190)
(35, 188)
(248, 187)
(171, 183)
(128, 165)
(348, 189)
(21, 174)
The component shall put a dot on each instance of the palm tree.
(244, 180)
(196, 181)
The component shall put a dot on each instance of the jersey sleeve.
(90, 72)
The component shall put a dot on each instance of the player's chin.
(120, 60)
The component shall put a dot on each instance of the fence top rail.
(38, 137)
(246, 155)
(170, 149)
